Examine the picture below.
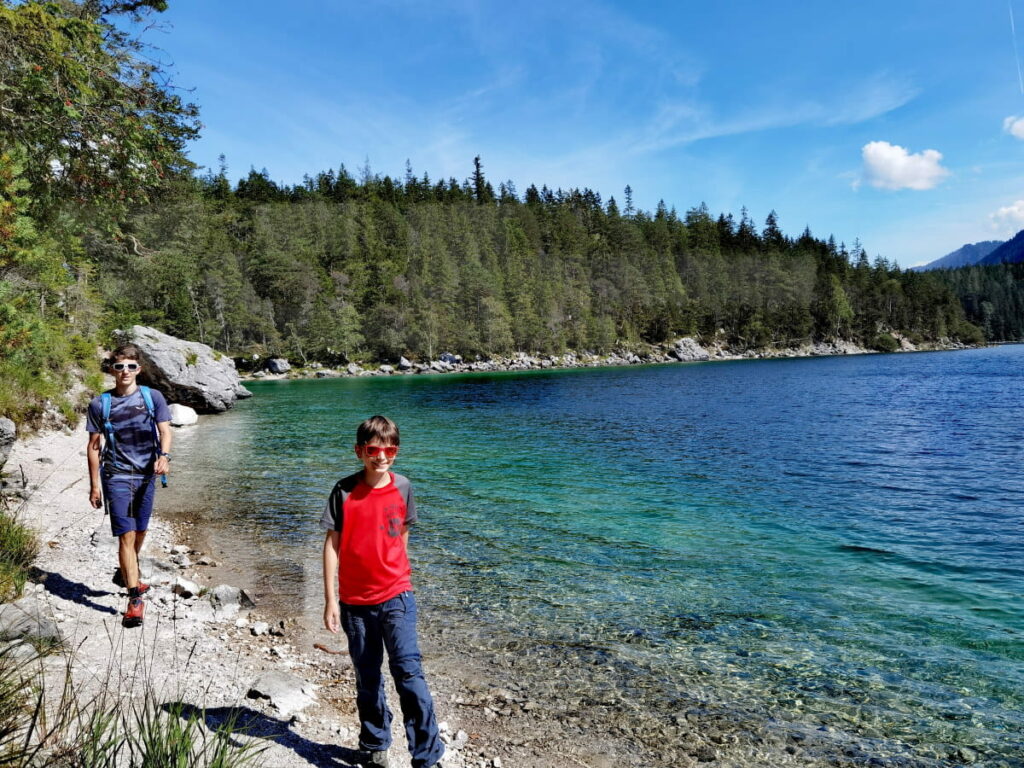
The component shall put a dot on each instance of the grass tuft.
(18, 548)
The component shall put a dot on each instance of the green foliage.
(338, 268)
(88, 129)
(191, 358)
(884, 342)
(18, 548)
(98, 126)
(992, 297)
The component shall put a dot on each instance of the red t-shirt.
(373, 565)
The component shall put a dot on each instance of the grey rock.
(28, 618)
(327, 373)
(404, 364)
(260, 628)
(185, 588)
(227, 600)
(260, 375)
(386, 369)
(8, 434)
(17, 650)
(354, 369)
(278, 365)
(181, 549)
(182, 415)
(687, 350)
(287, 693)
(187, 372)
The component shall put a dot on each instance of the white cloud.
(889, 166)
(1009, 219)
(1014, 126)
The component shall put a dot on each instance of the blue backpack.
(147, 398)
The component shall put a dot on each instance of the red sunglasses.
(372, 450)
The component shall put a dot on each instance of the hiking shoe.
(133, 616)
(375, 757)
(143, 589)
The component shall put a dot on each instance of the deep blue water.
(830, 540)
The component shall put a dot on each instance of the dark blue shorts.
(129, 501)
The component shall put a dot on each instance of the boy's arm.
(332, 619)
(92, 453)
(162, 464)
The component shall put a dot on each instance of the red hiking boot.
(143, 589)
(133, 616)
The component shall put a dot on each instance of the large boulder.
(687, 350)
(28, 618)
(8, 433)
(187, 372)
(278, 365)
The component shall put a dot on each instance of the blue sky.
(892, 122)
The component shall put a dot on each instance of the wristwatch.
(165, 455)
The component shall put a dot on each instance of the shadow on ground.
(75, 591)
(245, 722)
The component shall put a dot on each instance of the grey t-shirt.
(134, 446)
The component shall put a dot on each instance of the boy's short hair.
(377, 428)
(129, 351)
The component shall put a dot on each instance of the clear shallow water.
(814, 541)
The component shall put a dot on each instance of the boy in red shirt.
(368, 592)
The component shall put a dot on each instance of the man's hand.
(332, 619)
(162, 465)
(95, 497)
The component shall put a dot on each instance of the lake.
(817, 543)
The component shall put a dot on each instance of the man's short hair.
(378, 428)
(129, 351)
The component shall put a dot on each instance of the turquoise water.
(818, 541)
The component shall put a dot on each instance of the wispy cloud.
(686, 122)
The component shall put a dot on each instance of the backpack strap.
(108, 429)
(147, 398)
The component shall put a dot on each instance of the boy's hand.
(95, 498)
(332, 620)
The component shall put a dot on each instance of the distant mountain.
(1010, 252)
(972, 253)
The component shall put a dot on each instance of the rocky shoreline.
(684, 350)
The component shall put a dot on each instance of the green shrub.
(18, 548)
(969, 333)
(191, 358)
(884, 342)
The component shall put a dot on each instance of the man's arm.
(332, 619)
(163, 465)
(92, 454)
